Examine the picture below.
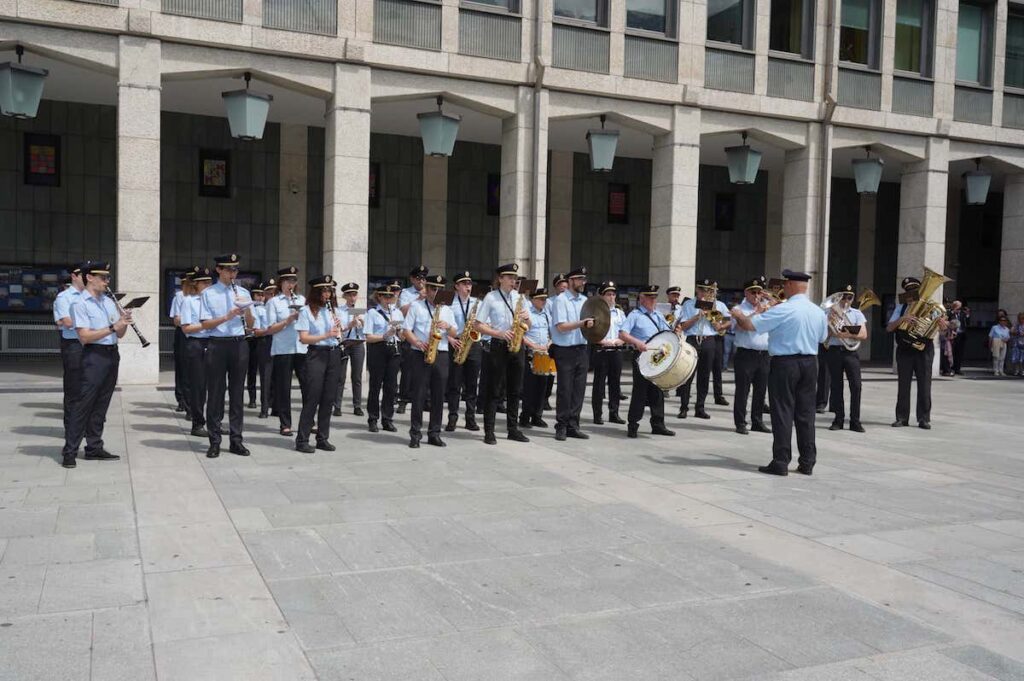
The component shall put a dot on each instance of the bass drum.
(668, 361)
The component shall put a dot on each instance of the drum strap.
(656, 329)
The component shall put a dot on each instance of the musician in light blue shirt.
(640, 326)
(464, 379)
(288, 353)
(353, 355)
(848, 327)
(383, 358)
(196, 344)
(320, 327)
(70, 348)
(702, 333)
(262, 344)
(535, 375)
(571, 354)
(607, 359)
(751, 362)
(425, 318)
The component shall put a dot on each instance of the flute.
(123, 312)
(246, 331)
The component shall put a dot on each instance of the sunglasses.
(229, 268)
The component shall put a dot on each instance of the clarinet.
(246, 331)
(122, 312)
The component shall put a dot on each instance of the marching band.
(437, 349)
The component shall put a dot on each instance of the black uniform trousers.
(383, 361)
(534, 388)
(842, 361)
(911, 363)
(824, 382)
(195, 356)
(607, 372)
(792, 385)
(505, 378)
(463, 380)
(427, 379)
(645, 395)
(265, 369)
(181, 392)
(404, 391)
(751, 371)
(352, 359)
(252, 371)
(484, 388)
(71, 358)
(571, 365)
(99, 376)
(323, 371)
(959, 344)
(716, 366)
(284, 367)
(707, 352)
(226, 362)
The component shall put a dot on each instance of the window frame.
(601, 24)
(929, 18)
(986, 60)
(671, 23)
(1016, 10)
(875, 16)
(515, 7)
(748, 43)
(807, 34)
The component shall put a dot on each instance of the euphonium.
(468, 336)
(518, 328)
(836, 311)
(920, 330)
(433, 338)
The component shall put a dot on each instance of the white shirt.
(617, 317)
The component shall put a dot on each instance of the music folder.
(444, 297)
(135, 302)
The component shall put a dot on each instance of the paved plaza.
(902, 558)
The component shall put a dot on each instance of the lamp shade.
(743, 162)
(21, 88)
(438, 131)
(247, 113)
(867, 173)
(976, 184)
(602, 144)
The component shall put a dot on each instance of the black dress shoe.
(772, 470)
(489, 439)
(760, 428)
(68, 462)
(305, 448)
(538, 422)
(525, 422)
(559, 434)
(820, 409)
(389, 426)
(372, 426)
(287, 432)
(742, 430)
(632, 430)
(262, 415)
(401, 408)
(239, 449)
(200, 432)
(414, 443)
(326, 446)
(357, 411)
(662, 430)
(179, 408)
(252, 404)
(436, 441)
(500, 409)
(836, 425)
(471, 424)
(805, 470)
(450, 428)
(856, 427)
(721, 401)
(547, 405)
(101, 455)
(517, 436)
(924, 425)
(598, 421)
(578, 434)
(899, 424)
(681, 414)
(615, 418)
(701, 414)
(336, 412)
(213, 451)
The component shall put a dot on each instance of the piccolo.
(123, 312)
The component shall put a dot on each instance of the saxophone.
(518, 328)
(468, 336)
(433, 338)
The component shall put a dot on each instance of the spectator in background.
(998, 339)
(962, 315)
(1017, 346)
(947, 340)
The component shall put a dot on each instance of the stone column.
(952, 259)
(1011, 264)
(435, 213)
(346, 175)
(560, 215)
(866, 262)
(674, 175)
(137, 269)
(291, 239)
(802, 228)
(521, 231)
(773, 225)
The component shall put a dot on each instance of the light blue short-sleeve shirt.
(378, 319)
(853, 317)
(189, 314)
(567, 310)
(795, 327)
(355, 333)
(62, 305)
(286, 341)
(217, 301)
(462, 311)
(539, 332)
(703, 326)
(999, 332)
(643, 325)
(96, 313)
(408, 296)
(750, 340)
(421, 316)
(616, 319)
(179, 297)
(317, 325)
(496, 309)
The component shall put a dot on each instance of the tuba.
(919, 331)
(866, 299)
(468, 336)
(836, 311)
(433, 337)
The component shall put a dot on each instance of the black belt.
(794, 357)
(323, 348)
(223, 339)
(104, 348)
(759, 352)
(840, 348)
(68, 341)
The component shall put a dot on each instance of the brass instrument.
(670, 319)
(468, 336)
(434, 337)
(836, 311)
(121, 311)
(246, 331)
(518, 328)
(866, 299)
(713, 317)
(925, 314)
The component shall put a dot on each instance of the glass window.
(584, 10)
(857, 33)
(787, 26)
(647, 15)
(1015, 47)
(729, 22)
(972, 43)
(506, 4)
(909, 27)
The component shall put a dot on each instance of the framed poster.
(374, 198)
(42, 160)
(215, 173)
(493, 194)
(618, 203)
(725, 212)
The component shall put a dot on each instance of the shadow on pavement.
(174, 445)
(41, 431)
(147, 428)
(715, 462)
(56, 404)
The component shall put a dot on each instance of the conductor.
(795, 329)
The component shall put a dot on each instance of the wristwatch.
(112, 330)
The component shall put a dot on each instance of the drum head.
(660, 355)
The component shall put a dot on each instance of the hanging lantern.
(602, 144)
(867, 172)
(743, 162)
(976, 184)
(247, 111)
(438, 131)
(21, 88)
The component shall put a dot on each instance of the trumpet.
(123, 312)
(246, 331)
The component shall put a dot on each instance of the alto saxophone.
(468, 336)
(518, 328)
(433, 338)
